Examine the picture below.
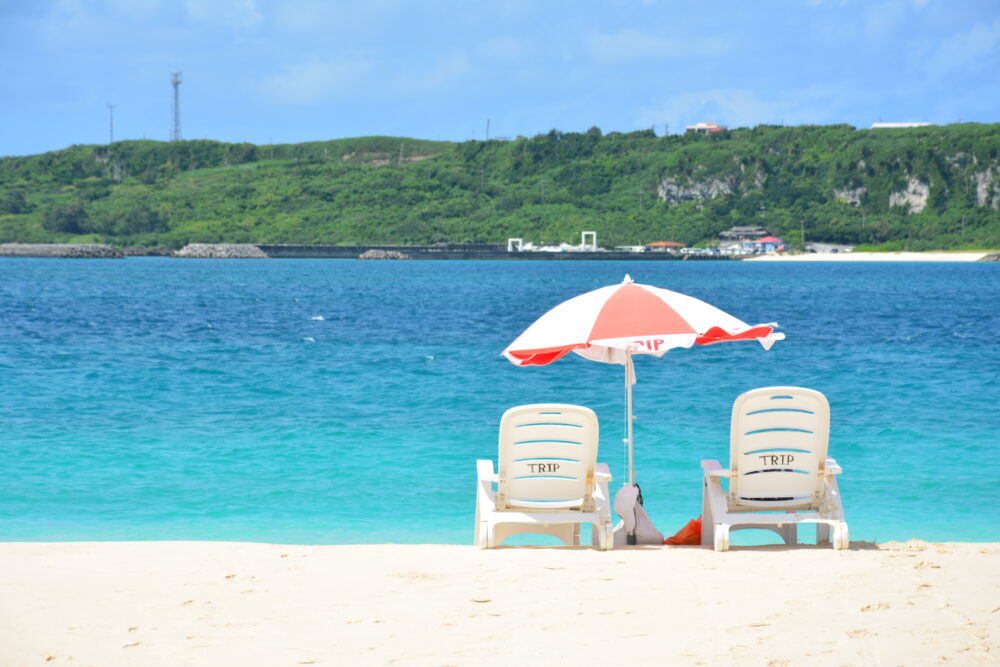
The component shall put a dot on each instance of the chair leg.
(841, 538)
(597, 535)
(478, 531)
(822, 533)
(707, 520)
(721, 537)
(486, 535)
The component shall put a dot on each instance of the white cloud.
(503, 49)
(229, 13)
(736, 107)
(327, 16)
(142, 10)
(882, 18)
(305, 15)
(964, 50)
(632, 45)
(311, 82)
(446, 71)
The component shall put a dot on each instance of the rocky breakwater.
(377, 253)
(77, 250)
(221, 251)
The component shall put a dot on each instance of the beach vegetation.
(922, 188)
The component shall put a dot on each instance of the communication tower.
(175, 108)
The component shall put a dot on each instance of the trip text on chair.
(776, 459)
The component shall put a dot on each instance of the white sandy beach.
(205, 603)
(874, 257)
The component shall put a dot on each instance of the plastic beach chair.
(779, 475)
(548, 480)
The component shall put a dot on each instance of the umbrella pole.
(629, 381)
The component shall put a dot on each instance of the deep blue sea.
(346, 401)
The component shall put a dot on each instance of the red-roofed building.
(665, 246)
(768, 244)
(704, 128)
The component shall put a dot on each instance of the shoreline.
(974, 256)
(168, 603)
(450, 251)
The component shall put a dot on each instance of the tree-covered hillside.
(919, 188)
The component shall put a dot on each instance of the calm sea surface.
(343, 401)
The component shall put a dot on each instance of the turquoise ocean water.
(343, 401)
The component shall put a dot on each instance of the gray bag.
(635, 526)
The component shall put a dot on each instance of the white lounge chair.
(548, 480)
(780, 475)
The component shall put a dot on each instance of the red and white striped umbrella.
(613, 323)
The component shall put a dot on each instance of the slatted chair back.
(778, 446)
(547, 457)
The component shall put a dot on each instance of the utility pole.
(802, 229)
(487, 128)
(400, 162)
(111, 124)
(175, 128)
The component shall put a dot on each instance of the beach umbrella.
(614, 323)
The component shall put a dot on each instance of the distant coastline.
(977, 256)
(375, 252)
(449, 251)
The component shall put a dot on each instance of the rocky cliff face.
(674, 190)
(987, 188)
(850, 196)
(914, 197)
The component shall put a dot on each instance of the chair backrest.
(778, 445)
(548, 452)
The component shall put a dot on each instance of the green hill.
(921, 188)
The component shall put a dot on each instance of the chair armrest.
(484, 471)
(713, 468)
(832, 467)
(602, 473)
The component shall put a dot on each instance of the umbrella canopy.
(613, 323)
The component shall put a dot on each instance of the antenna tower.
(175, 108)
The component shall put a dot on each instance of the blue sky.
(304, 70)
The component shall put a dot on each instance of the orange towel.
(689, 534)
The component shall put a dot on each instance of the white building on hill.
(704, 128)
(896, 126)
